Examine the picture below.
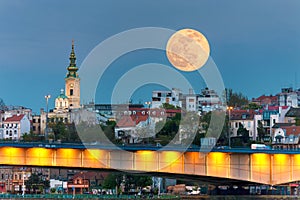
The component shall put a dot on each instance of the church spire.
(72, 69)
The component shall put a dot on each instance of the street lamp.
(229, 108)
(148, 103)
(47, 97)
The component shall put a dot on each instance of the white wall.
(24, 126)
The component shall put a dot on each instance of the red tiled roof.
(125, 121)
(263, 97)
(242, 114)
(91, 175)
(295, 130)
(139, 118)
(14, 118)
(276, 107)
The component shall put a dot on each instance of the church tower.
(72, 87)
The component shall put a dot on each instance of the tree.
(235, 99)
(112, 180)
(253, 106)
(109, 130)
(166, 130)
(260, 131)
(72, 133)
(60, 130)
(243, 132)
(2, 104)
(217, 125)
(31, 137)
(145, 133)
(169, 106)
(36, 183)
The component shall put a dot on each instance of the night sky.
(255, 44)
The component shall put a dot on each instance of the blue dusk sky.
(254, 43)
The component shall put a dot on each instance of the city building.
(11, 111)
(6, 178)
(66, 102)
(286, 136)
(137, 123)
(72, 83)
(125, 130)
(250, 119)
(12, 178)
(20, 175)
(247, 119)
(36, 124)
(84, 182)
(209, 100)
(190, 102)
(292, 115)
(172, 97)
(15, 127)
(264, 100)
(288, 97)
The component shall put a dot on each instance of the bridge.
(271, 167)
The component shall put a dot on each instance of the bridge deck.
(259, 166)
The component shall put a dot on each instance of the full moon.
(187, 50)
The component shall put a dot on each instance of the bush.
(53, 190)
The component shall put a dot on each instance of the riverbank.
(166, 197)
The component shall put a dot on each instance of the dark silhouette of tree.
(60, 130)
(114, 180)
(206, 126)
(2, 104)
(243, 133)
(167, 129)
(261, 131)
(36, 183)
(31, 137)
(252, 106)
(236, 99)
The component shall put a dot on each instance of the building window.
(15, 132)
(71, 92)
